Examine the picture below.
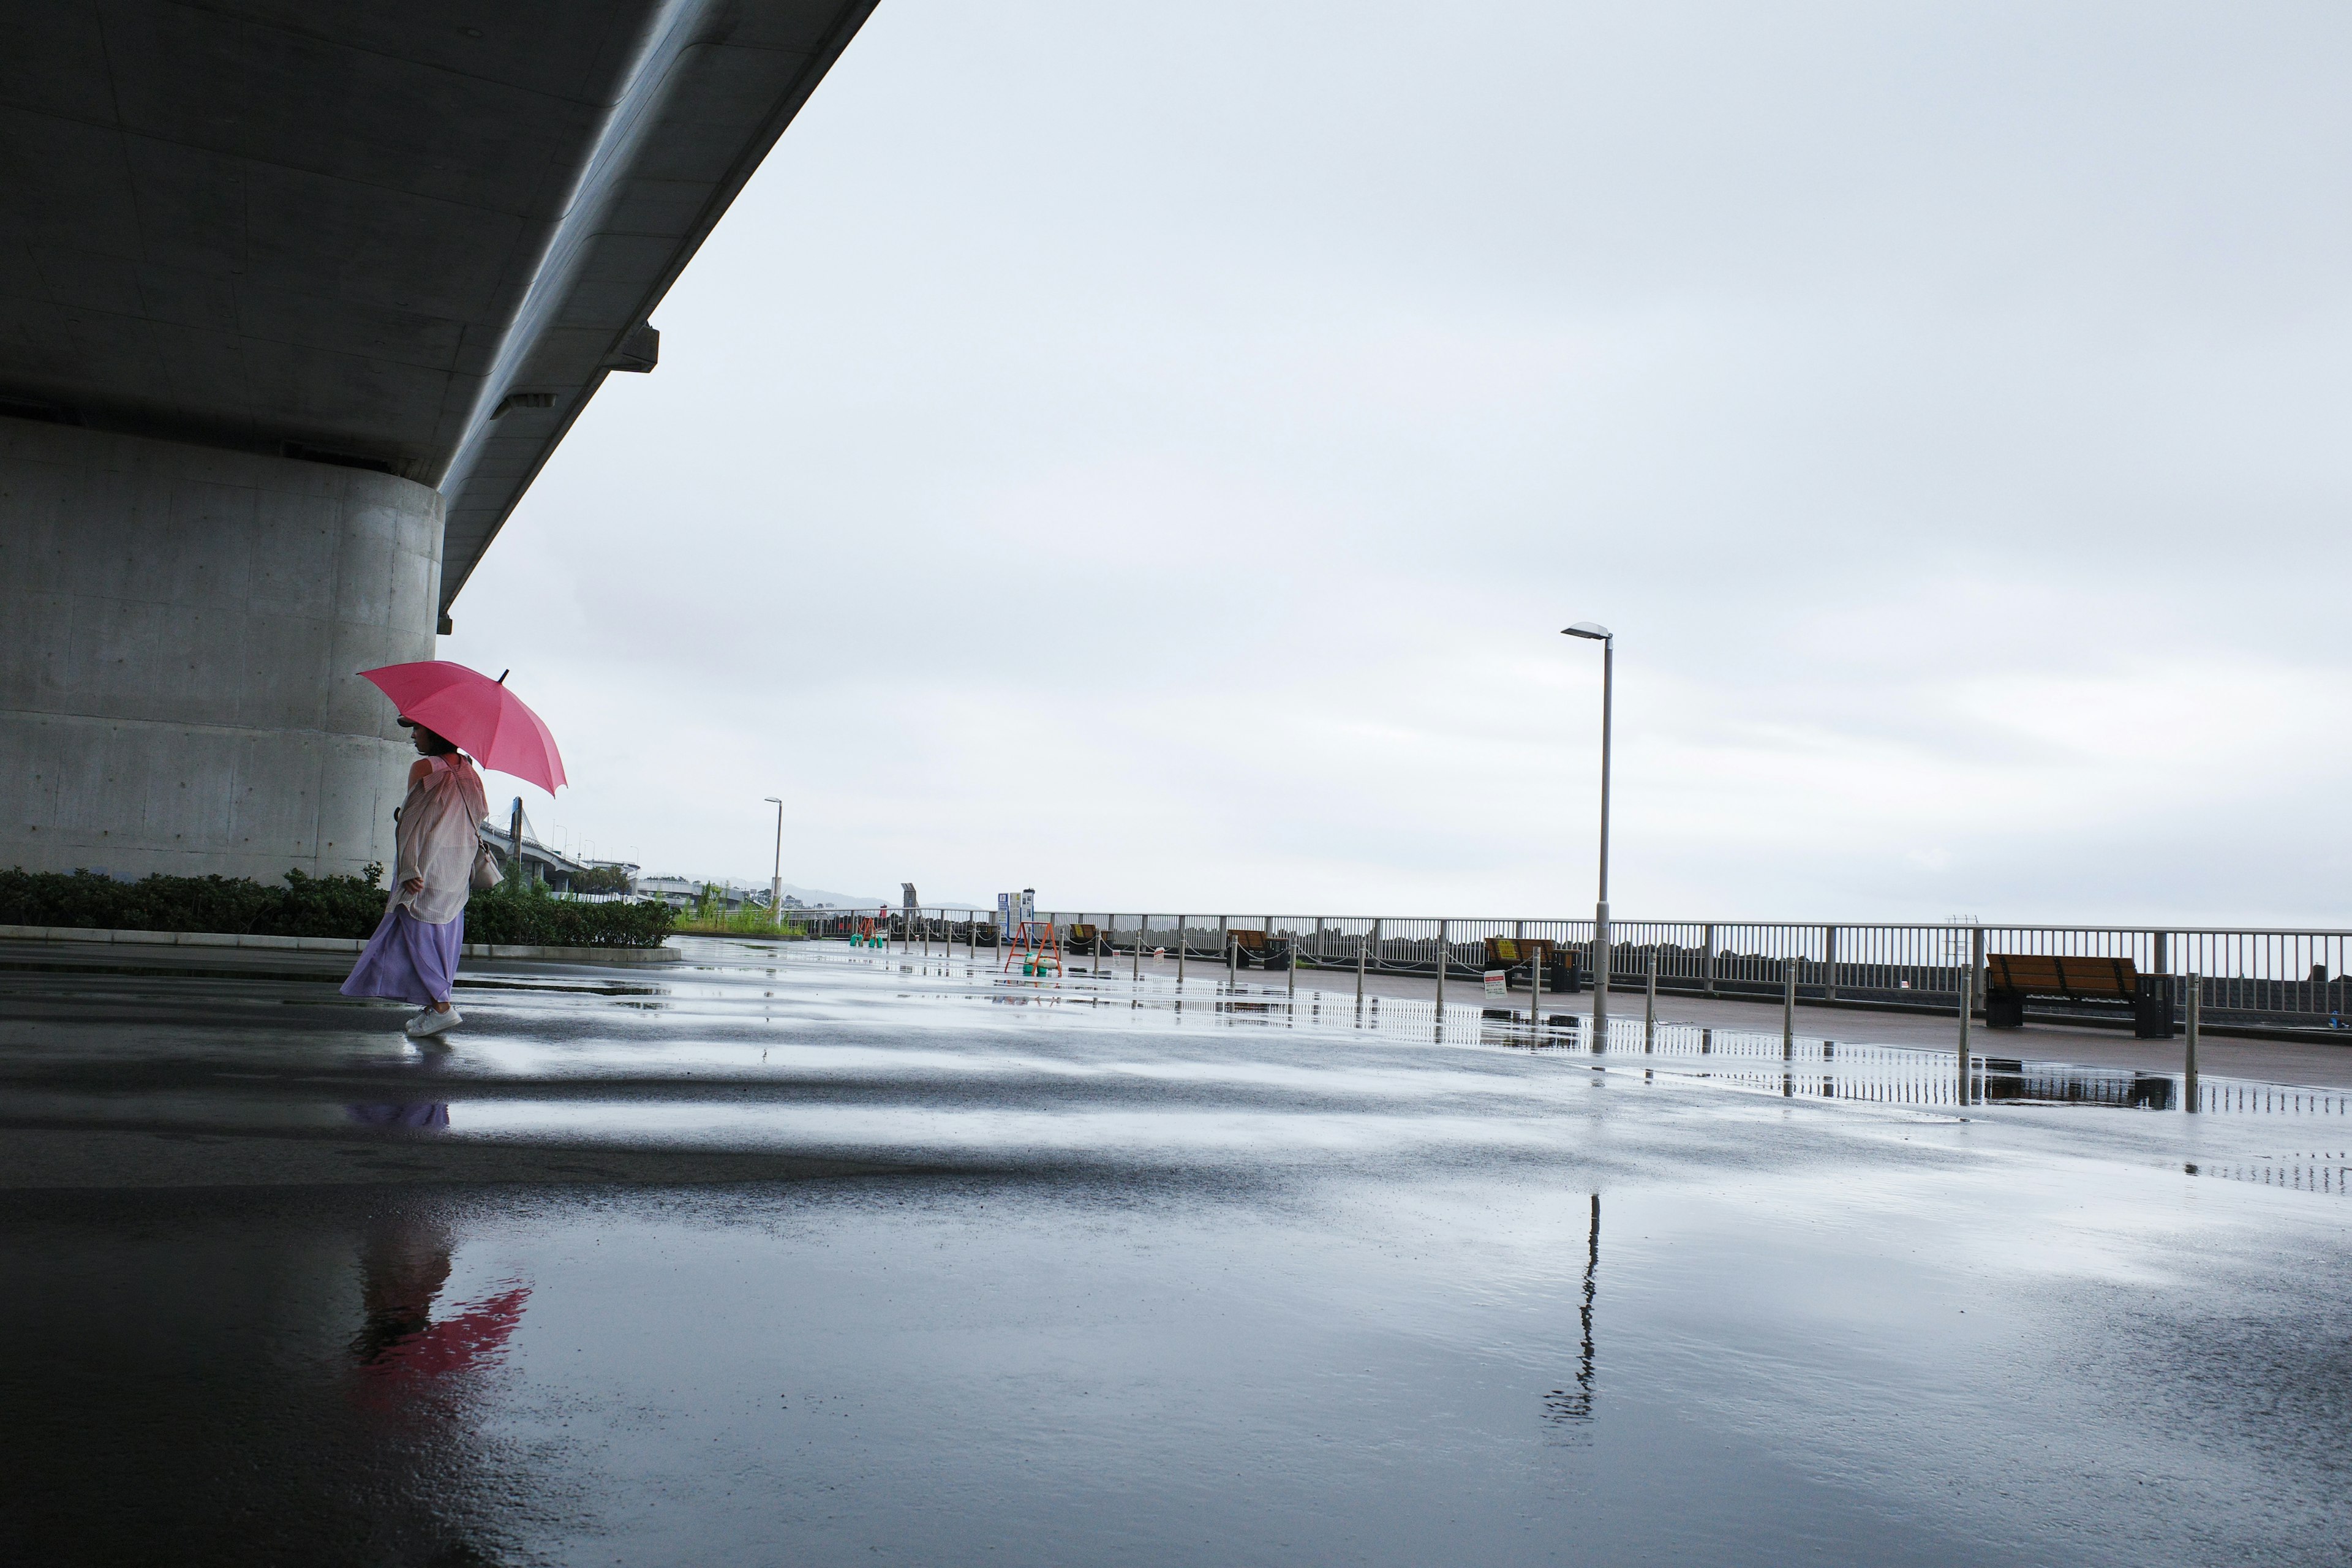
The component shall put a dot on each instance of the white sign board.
(1498, 986)
(1012, 909)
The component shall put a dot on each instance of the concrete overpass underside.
(296, 299)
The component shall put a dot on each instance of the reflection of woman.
(426, 1117)
(403, 1267)
(413, 956)
(403, 1264)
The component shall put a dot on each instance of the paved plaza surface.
(805, 1254)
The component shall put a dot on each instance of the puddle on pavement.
(1241, 1280)
(812, 1048)
(1513, 1365)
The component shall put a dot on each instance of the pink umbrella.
(478, 714)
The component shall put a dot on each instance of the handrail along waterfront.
(2263, 978)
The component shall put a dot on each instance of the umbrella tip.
(504, 673)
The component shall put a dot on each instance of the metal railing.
(2247, 977)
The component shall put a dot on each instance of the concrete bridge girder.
(284, 290)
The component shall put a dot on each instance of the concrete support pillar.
(179, 686)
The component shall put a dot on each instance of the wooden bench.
(1514, 953)
(1087, 938)
(2011, 977)
(1266, 951)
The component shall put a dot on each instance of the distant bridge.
(295, 302)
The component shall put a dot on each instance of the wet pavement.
(2322, 1061)
(810, 1255)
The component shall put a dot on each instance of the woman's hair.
(433, 745)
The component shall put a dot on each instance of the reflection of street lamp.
(776, 886)
(1608, 642)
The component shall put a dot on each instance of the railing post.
(1710, 958)
(1787, 1008)
(1534, 986)
(1828, 964)
(1363, 947)
(1441, 973)
(1976, 960)
(1968, 992)
(1179, 950)
(1136, 972)
(1649, 1009)
(1224, 940)
(1292, 949)
(2188, 1077)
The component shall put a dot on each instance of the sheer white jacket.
(439, 834)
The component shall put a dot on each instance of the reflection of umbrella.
(400, 1347)
(477, 712)
(454, 1345)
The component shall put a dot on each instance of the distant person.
(413, 956)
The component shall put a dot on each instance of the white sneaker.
(431, 1023)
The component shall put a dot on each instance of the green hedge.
(308, 905)
(529, 916)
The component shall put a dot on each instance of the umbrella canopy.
(481, 714)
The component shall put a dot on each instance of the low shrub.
(532, 916)
(341, 905)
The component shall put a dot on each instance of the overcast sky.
(1147, 453)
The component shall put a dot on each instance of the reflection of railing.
(2302, 1173)
(2248, 978)
(1899, 1074)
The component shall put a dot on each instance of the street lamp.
(776, 886)
(1601, 949)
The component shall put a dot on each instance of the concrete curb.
(663, 955)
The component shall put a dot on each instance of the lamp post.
(1608, 641)
(776, 884)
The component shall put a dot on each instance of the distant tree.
(601, 880)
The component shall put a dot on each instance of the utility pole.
(776, 884)
(1600, 940)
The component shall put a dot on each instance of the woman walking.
(413, 956)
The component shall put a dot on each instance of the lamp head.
(1588, 630)
(771, 800)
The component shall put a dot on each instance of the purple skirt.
(407, 960)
